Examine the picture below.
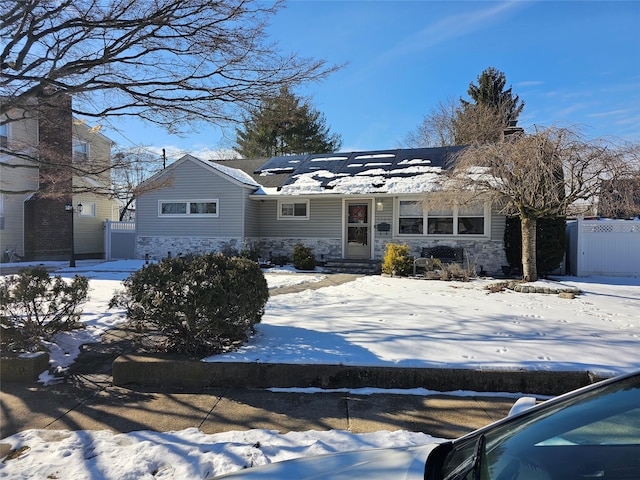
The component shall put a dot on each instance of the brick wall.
(47, 224)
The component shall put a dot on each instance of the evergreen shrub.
(34, 306)
(397, 260)
(196, 306)
(303, 257)
(550, 243)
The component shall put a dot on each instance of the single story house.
(342, 205)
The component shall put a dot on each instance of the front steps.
(363, 267)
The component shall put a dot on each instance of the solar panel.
(286, 163)
(378, 164)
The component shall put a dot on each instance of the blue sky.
(572, 62)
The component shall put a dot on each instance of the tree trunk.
(529, 269)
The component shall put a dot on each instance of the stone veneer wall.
(486, 255)
(323, 248)
(162, 247)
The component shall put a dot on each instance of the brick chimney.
(512, 131)
(47, 225)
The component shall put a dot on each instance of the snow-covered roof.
(236, 174)
(404, 171)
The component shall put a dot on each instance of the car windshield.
(593, 435)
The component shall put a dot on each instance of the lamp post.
(69, 208)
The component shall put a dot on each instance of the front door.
(358, 229)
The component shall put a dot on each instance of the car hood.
(406, 463)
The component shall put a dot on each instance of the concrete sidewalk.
(92, 403)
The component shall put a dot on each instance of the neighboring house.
(342, 205)
(33, 219)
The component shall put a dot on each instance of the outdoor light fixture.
(379, 206)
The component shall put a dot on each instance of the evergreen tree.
(285, 125)
(492, 110)
(480, 121)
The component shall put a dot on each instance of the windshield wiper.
(476, 465)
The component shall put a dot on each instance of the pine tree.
(285, 125)
(479, 121)
(492, 110)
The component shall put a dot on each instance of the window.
(593, 434)
(173, 208)
(203, 208)
(293, 210)
(4, 135)
(440, 221)
(471, 220)
(413, 219)
(192, 208)
(88, 209)
(80, 151)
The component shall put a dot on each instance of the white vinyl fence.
(119, 240)
(604, 247)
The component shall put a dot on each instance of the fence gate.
(604, 247)
(120, 240)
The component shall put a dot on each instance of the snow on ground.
(372, 321)
(186, 454)
(405, 322)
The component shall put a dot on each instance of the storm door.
(358, 229)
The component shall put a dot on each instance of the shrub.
(550, 243)
(303, 258)
(455, 271)
(280, 260)
(250, 251)
(397, 260)
(197, 306)
(35, 306)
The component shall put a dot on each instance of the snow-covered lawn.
(418, 323)
(372, 321)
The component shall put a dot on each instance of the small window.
(88, 209)
(173, 208)
(4, 135)
(191, 208)
(293, 210)
(80, 151)
(204, 208)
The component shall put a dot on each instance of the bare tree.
(133, 167)
(171, 62)
(477, 124)
(437, 128)
(545, 174)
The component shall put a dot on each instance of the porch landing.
(361, 267)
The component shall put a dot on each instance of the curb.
(170, 371)
(15, 368)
